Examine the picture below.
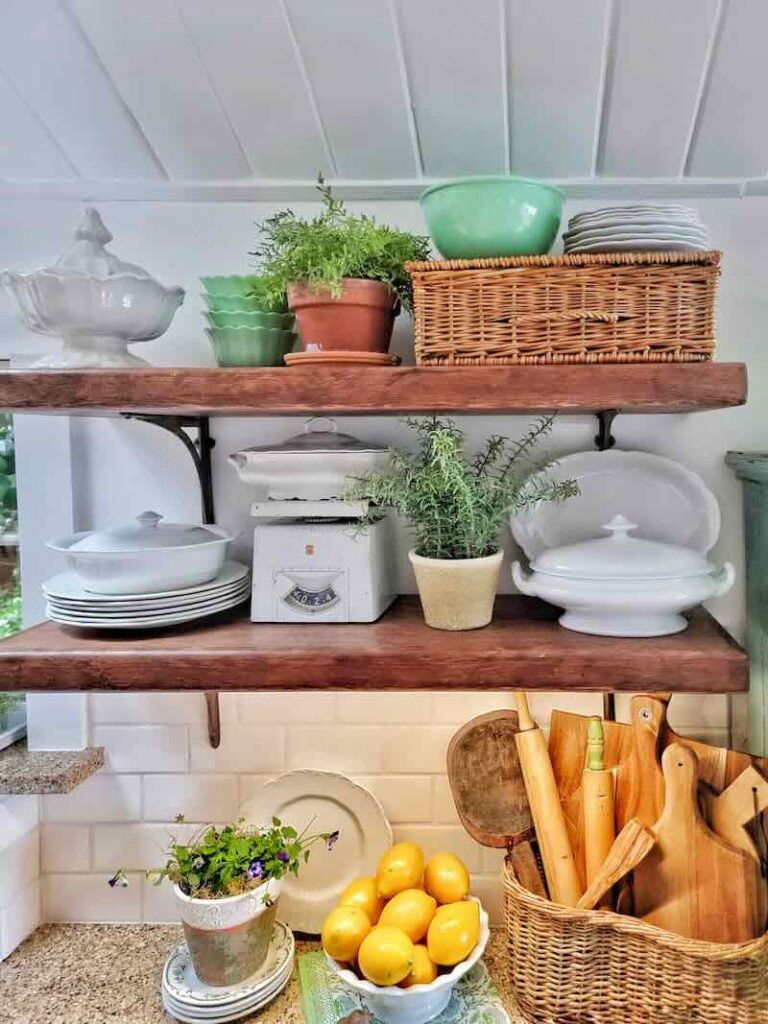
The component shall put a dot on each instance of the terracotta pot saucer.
(340, 357)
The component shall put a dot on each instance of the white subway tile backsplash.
(543, 704)
(65, 848)
(385, 708)
(416, 748)
(249, 785)
(490, 891)
(19, 865)
(158, 903)
(405, 798)
(355, 749)
(441, 838)
(57, 721)
(493, 861)
(18, 815)
(100, 798)
(88, 898)
(20, 918)
(443, 807)
(147, 708)
(263, 708)
(244, 748)
(457, 708)
(143, 748)
(200, 798)
(135, 847)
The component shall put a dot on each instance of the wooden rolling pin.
(597, 793)
(549, 821)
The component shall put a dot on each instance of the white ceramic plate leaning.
(146, 622)
(667, 501)
(107, 611)
(184, 986)
(329, 801)
(67, 587)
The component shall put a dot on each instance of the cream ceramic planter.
(457, 593)
(228, 939)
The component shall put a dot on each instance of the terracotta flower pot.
(457, 593)
(359, 320)
(228, 939)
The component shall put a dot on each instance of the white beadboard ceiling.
(219, 99)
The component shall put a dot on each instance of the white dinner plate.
(67, 585)
(182, 983)
(110, 611)
(154, 622)
(639, 217)
(242, 1006)
(667, 501)
(324, 801)
(111, 607)
(639, 210)
(187, 1017)
(669, 244)
(635, 231)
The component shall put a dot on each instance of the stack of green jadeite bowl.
(240, 331)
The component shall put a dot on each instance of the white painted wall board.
(27, 149)
(555, 50)
(348, 47)
(145, 47)
(49, 61)
(659, 55)
(454, 58)
(732, 133)
(252, 63)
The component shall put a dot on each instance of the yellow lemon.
(400, 868)
(411, 911)
(362, 893)
(343, 931)
(453, 933)
(446, 878)
(423, 971)
(386, 956)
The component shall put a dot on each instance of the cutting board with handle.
(692, 882)
(736, 806)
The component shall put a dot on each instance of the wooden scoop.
(489, 792)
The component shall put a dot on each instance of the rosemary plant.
(457, 505)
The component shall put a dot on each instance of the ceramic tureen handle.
(315, 424)
(523, 583)
(723, 580)
(149, 518)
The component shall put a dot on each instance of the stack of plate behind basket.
(145, 575)
(190, 1000)
(670, 227)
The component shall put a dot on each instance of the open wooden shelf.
(523, 648)
(638, 387)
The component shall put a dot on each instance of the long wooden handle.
(631, 846)
(548, 818)
(599, 820)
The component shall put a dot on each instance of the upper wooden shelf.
(524, 647)
(639, 387)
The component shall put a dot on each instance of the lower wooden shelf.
(524, 648)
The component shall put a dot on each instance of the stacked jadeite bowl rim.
(240, 333)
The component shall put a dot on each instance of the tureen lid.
(316, 439)
(146, 532)
(88, 256)
(620, 556)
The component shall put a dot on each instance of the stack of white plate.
(69, 603)
(636, 228)
(190, 1000)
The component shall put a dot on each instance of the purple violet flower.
(284, 856)
(255, 869)
(332, 839)
(118, 880)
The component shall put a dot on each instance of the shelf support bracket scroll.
(604, 438)
(199, 450)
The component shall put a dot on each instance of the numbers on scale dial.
(312, 601)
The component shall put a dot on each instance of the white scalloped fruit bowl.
(421, 1003)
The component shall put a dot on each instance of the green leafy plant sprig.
(268, 300)
(219, 862)
(457, 505)
(336, 244)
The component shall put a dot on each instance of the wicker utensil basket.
(583, 308)
(595, 967)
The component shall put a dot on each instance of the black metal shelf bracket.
(604, 439)
(199, 449)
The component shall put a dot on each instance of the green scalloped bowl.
(250, 346)
(254, 318)
(230, 284)
(232, 303)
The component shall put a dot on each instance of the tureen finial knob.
(92, 228)
(149, 518)
(620, 526)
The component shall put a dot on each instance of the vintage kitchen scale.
(313, 560)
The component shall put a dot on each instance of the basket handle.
(561, 316)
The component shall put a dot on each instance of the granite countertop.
(46, 771)
(110, 974)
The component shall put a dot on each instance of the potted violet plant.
(457, 507)
(227, 882)
(344, 275)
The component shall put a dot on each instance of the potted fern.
(456, 506)
(344, 275)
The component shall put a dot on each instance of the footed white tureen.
(94, 301)
(621, 585)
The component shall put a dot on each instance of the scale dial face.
(312, 602)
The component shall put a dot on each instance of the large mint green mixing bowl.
(498, 215)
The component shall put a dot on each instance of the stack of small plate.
(190, 1000)
(69, 603)
(636, 228)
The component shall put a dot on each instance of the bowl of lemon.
(404, 938)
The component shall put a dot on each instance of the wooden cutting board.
(692, 882)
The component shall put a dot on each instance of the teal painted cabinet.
(752, 469)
